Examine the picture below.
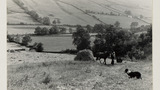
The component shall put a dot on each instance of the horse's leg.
(100, 60)
(96, 58)
(105, 61)
(112, 62)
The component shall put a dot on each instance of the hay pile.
(84, 55)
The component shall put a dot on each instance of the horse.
(104, 55)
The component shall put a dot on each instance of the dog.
(133, 74)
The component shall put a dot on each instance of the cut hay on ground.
(84, 55)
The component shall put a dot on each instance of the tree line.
(101, 13)
(33, 14)
(49, 31)
(111, 38)
(24, 40)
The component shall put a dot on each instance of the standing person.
(112, 57)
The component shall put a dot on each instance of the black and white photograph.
(79, 44)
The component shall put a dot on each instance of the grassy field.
(39, 71)
(51, 43)
(125, 22)
(20, 29)
(28, 29)
(56, 43)
(72, 11)
(23, 29)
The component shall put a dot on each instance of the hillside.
(48, 71)
(82, 12)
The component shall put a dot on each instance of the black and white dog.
(133, 74)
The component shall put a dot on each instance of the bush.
(26, 39)
(63, 30)
(39, 47)
(21, 23)
(38, 30)
(46, 21)
(44, 31)
(70, 51)
(41, 31)
(54, 30)
(84, 55)
(10, 38)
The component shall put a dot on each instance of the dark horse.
(104, 55)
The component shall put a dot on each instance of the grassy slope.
(69, 14)
(62, 73)
(16, 14)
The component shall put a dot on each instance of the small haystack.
(84, 55)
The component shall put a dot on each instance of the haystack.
(84, 55)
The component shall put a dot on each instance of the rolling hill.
(82, 12)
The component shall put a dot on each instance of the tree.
(54, 22)
(128, 12)
(111, 13)
(112, 39)
(70, 30)
(98, 28)
(63, 30)
(33, 14)
(134, 25)
(37, 30)
(40, 19)
(89, 28)
(81, 38)
(145, 38)
(46, 21)
(44, 31)
(54, 30)
(39, 47)
(10, 38)
(117, 24)
(26, 39)
(123, 43)
(17, 39)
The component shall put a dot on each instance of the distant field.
(72, 11)
(24, 29)
(20, 29)
(56, 43)
(125, 22)
(51, 43)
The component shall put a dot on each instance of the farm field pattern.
(72, 12)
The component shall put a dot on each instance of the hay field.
(46, 71)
